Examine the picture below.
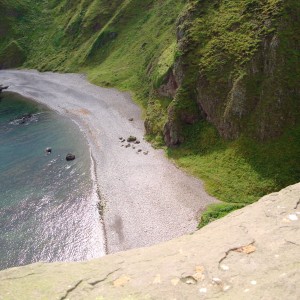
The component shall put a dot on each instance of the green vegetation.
(217, 211)
(238, 172)
(236, 64)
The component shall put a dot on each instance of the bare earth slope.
(146, 199)
(252, 254)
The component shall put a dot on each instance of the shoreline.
(143, 199)
(100, 204)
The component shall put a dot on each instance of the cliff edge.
(252, 253)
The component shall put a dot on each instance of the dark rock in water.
(131, 139)
(2, 87)
(70, 157)
(48, 150)
(24, 118)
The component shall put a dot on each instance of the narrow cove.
(48, 208)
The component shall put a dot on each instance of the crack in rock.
(297, 204)
(103, 279)
(71, 290)
(293, 243)
(15, 278)
(236, 249)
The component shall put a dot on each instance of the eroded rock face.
(252, 253)
(244, 82)
(258, 102)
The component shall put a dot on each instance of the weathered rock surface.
(252, 253)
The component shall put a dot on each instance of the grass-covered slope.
(220, 79)
(241, 66)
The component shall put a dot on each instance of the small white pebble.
(224, 267)
(246, 290)
(276, 255)
(203, 290)
(226, 288)
(217, 280)
(253, 282)
(293, 217)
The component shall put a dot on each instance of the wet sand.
(145, 199)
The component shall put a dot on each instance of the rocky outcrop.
(252, 253)
(2, 88)
(240, 66)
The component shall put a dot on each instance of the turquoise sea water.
(48, 211)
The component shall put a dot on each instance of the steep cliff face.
(241, 66)
(12, 13)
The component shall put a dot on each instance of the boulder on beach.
(131, 139)
(70, 157)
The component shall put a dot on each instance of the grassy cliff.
(218, 79)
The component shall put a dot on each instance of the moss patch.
(12, 56)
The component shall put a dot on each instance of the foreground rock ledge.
(253, 253)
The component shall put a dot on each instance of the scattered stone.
(131, 139)
(127, 146)
(146, 153)
(48, 150)
(203, 290)
(131, 119)
(140, 150)
(120, 138)
(70, 157)
(293, 217)
(133, 147)
(137, 142)
(224, 267)
(189, 280)
(226, 288)
(216, 280)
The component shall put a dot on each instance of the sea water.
(48, 206)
